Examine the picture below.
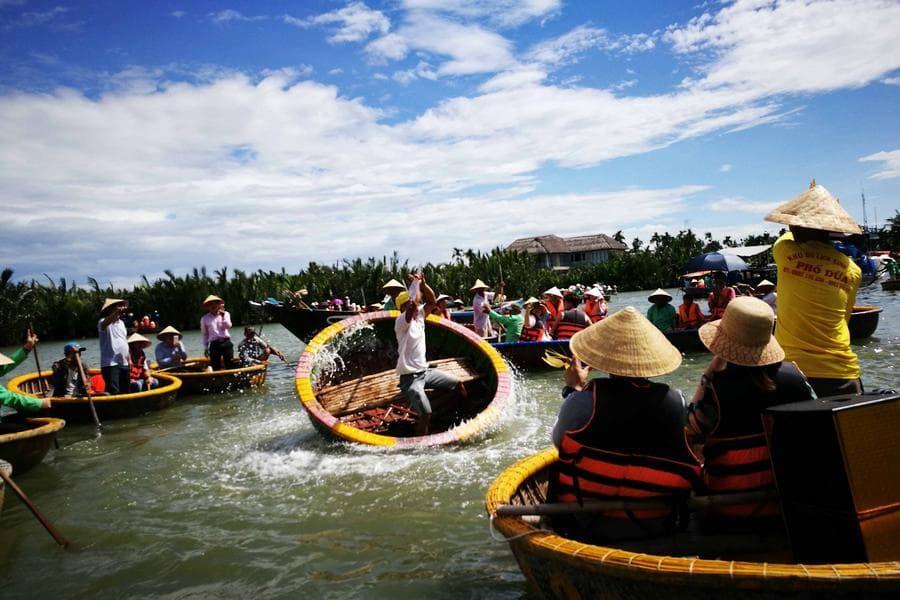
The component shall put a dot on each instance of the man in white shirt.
(415, 375)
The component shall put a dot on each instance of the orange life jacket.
(531, 334)
(718, 301)
(566, 330)
(137, 367)
(555, 307)
(690, 315)
(592, 309)
(632, 447)
(98, 384)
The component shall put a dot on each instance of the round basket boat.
(196, 379)
(557, 567)
(120, 406)
(27, 447)
(347, 384)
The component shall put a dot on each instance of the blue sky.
(142, 136)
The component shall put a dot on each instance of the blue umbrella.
(714, 261)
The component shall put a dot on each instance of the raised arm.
(428, 296)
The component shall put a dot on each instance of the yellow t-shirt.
(816, 291)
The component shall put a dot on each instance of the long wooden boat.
(347, 385)
(196, 379)
(558, 567)
(304, 323)
(26, 448)
(120, 406)
(528, 356)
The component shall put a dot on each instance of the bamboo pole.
(34, 510)
(695, 503)
(44, 385)
(87, 390)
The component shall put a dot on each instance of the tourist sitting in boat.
(534, 318)
(720, 296)
(553, 302)
(512, 322)
(114, 363)
(621, 436)
(662, 313)
(215, 328)
(391, 289)
(441, 308)
(20, 402)
(595, 304)
(141, 379)
(746, 375)
(253, 350)
(572, 320)
(818, 288)
(170, 352)
(66, 376)
(765, 291)
(480, 320)
(412, 367)
(689, 314)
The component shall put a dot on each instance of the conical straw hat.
(626, 344)
(594, 292)
(393, 284)
(765, 283)
(743, 335)
(659, 293)
(554, 291)
(110, 302)
(211, 298)
(5, 360)
(167, 331)
(138, 338)
(479, 285)
(815, 208)
(442, 297)
(530, 301)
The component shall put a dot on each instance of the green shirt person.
(513, 322)
(20, 402)
(662, 313)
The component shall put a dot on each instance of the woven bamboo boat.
(557, 567)
(864, 321)
(196, 379)
(120, 406)
(347, 385)
(25, 449)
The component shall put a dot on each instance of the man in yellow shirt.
(816, 291)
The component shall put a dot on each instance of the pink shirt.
(215, 327)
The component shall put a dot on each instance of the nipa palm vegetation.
(61, 309)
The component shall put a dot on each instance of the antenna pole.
(865, 217)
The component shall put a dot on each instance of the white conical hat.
(659, 293)
(393, 284)
(765, 283)
(211, 298)
(554, 291)
(138, 338)
(531, 300)
(110, 302)
(479, 285)
(626, 344)
(594, 292)
(167, 331)
(815, 208)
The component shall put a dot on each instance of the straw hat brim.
(718, 342)
(479, 285)
(137, 338)
(626, 344)
(210, 299)
(393, 284)
(111, 302)
(166, 331)
(816, 208)
(660, 293)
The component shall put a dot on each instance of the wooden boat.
(529, 355)
(304, 323)
(557, 567)
(120, 406)
(891, 284)
(864, 321)
(26, 448)
(196, 379)
(347, 384)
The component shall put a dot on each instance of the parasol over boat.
(119, 406)
(716, 261)
(196, 378)
(347, 384)
(703, 567)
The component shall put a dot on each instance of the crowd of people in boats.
(623, 435)
(124, 368)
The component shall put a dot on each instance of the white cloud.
(356, 22)
(505, 13)
(36, 18)
(228, 15)
(178, 13)
(725, 168)
(738, 204)
(890, 167)
(569, 47)
(337, 71)
(891, 80)
(422, 70)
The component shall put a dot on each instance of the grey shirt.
(113, 344)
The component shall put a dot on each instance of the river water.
(237, 495)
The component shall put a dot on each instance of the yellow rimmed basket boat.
(197, 379)
(347, 384)
(557, 567)
(25, 449)
(120, 406)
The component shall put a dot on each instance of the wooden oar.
(694, 503)
(45, 387)
(34, 510)
(87, 390)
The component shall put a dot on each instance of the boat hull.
(556, 567)
(120, 406)
(304, 324)
(528, 356)
(201, 381)
(443, 338)
(890, 284)
(864, 321)
(26, 449)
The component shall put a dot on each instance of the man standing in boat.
(415, 375)
(115, 363)
(817, 290)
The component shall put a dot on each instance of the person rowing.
(412, 366)
(253, 350)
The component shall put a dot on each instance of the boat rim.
(206, 374)
(625, 563)
(460, 433)
(173, 385)
(49, 425)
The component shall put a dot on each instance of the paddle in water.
(87, 390)
(34, 510)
